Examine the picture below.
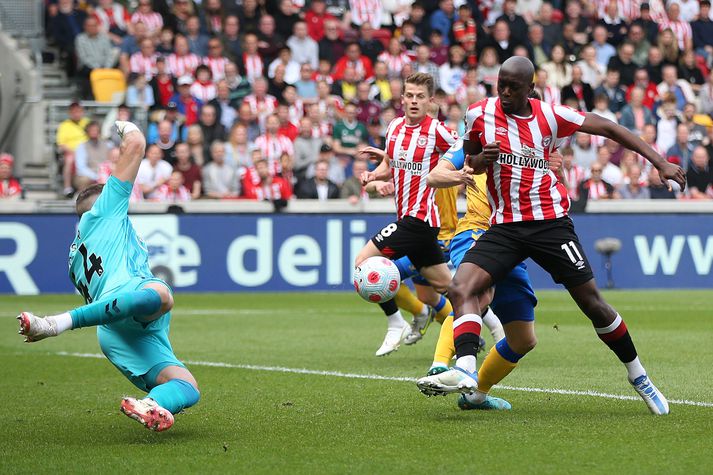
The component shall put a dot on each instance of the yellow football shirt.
(446, 201)
(70, 134)
(477, 214)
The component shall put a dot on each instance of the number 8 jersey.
(106, 251)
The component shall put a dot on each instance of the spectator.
(658, 190)
(604, 50)
(442, 19)
(153, 173)
(423, 64)
(252, 64)
(261, 103)
(130, 45)
(602, 108)
(634, 116)
(613, 21)
(550, 28)
(549, 93)
(304, 47)
(346, 86)
(699, 176)
(259, 184)
(173, 191)
(162, 84)
(237, 150)
(559, 71)
(197, 41)
(454, 120)
(624, 63)
(139, 93)
(94, 50)
(287, 127)
(331, 106)
(294, 104)
(706, 96)
(595, 188)
(212, 17)
(516, 23)
(321, 126)
(352, 189)
(196, 141)
(269, 41)
(651, 93)
(682, 150)
(113, 19)
(211, 128)
(635, 188)
(220, 179)
(64, 24)
(394, 58)
(681, 29)
(144, 61)
(318, 187)
(145, 14)
(409, 40)
(306, 86)
(316, 17)
(166, 139)
(337, 164)
(190, 172)
(182, 61)
(331, 46)
(238, 85)
(292, 67)
(354, 59)
(465, 31)
(249, 121)
(645, 20)
(540, 50)
(579, 91)
(500, 41)
(272, 145)
(366, 108)
(702, 31)
(637, 37)
(88, 156)
(610, 172)
(451, 74)
(180, 13)
(306, 149)
(215, 60)
(668, 46)
(70, 133)
(348, 132)
(696, 132)
(573, 173)
(249, 16)
(689, 9)
(10, 188)
(655, 64)
(230, 37)
(614, 92)
(419, 20)
(689, 71)
(667, 123)
(203, 87)
(186, 104)
(224, 106)
(375, 139)
(285, 17)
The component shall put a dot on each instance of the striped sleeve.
(473, 113)
(445, 137)
(568, 120)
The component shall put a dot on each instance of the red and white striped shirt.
(631, 9)
(261, 107)
(115, 16)
(217, 66)
(681, 30)
(253, 66)
(204, 92)
(550, 95)
(414, 151)
(181, 65)
(394, 63)
(574, 176)
(366, 11)
(297, 112)
(140, 64)
(166, 195)
(521, 186)
(153, 21)
(272, 147)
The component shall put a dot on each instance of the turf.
(60, 413)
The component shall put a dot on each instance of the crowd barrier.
(314, 252)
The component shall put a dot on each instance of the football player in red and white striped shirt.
(414, 144)
(510, 137)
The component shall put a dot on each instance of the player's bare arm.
(481, 157)
(382, 188)
(133, 147)
(596, 125)
(382, 172)
(445, 175)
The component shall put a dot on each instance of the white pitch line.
(377, 377)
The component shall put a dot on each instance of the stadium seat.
(108, 85)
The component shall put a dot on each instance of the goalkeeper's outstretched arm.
(132, 148)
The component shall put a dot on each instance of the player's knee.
(523, 344)
(166, 297)
(457, 293)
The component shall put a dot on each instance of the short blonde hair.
(422, 79)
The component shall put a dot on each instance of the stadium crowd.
(271, 99)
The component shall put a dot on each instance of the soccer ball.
(377, 279)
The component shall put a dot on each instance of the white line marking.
(377, 377)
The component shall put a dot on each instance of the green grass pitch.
(59, 413)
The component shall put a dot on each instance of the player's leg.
(557, 249)
(144, 304)
(386, 243)
(405, 299)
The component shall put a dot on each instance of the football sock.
(138, 304)
(393, 314)
(443, 309)
(466, 336)
(493, 323)
(617, 338)
(406, 300)
(445, 348)
(499, 362)
(63, 322)
(175, 395)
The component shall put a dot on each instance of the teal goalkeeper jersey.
(107, 252)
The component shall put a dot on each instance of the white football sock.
(63, 322)
(493, 323)
(396, 320)
(635, 369)
(467, 363)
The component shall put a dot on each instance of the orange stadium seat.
(108, 85)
